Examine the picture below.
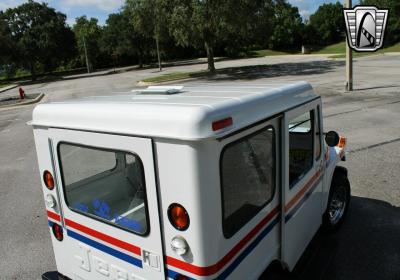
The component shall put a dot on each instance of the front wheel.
(338, 202)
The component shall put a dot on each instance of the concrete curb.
(392, 53)
(22, 104)
(8, 87)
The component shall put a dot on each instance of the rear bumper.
(53, 275)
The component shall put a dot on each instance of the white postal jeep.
(195, 182)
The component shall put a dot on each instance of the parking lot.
(366, 247)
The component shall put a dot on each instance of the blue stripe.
(248, 250)
(105, 249)
(303, 199)
(50, 223)
(172, 274)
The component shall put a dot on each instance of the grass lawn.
(3, 85)
(394, 48)
(337, 50)
(267, 52)
(332, 49)
(175, 76)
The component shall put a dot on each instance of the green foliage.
(6, 46)
(38, 36)
(287, 27)
(326, 26)
(210, 24)
(88, 34)
(392, 32)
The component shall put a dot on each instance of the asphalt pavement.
(366, 247)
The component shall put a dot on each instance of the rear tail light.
(48, 180)
(178, 216)
(58, 232)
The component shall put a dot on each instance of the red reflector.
(48, 180)
(178, 216)
(58, 232)
(217, 125)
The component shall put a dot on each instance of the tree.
(149, 19)
(88, 34)
(392, 32)
(326, 26)
(6, 46)
(287, 27)
(39, 35)
(120, 39)
(245, 23)
(207, 23)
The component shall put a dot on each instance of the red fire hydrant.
(21, 93)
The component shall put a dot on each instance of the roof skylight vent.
(163, 90)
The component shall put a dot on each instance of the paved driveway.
(368, 245)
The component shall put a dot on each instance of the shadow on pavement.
(274, 70)
(367, 246)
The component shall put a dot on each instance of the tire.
(338, 202)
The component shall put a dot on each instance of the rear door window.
(301, 138)
(107, 185)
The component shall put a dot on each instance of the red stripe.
(53, 215)
(297, 197)
(109, 239)
(208, 270)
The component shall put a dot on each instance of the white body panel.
(181, 158)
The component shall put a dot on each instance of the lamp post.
(349, 59)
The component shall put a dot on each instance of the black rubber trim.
(54, 275)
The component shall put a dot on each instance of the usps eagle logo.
(365, 27)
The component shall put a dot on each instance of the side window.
(317, 134)
(301, 153)
(247, 178)
(106, 185)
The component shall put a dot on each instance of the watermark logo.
(365, 27)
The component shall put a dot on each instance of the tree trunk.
(140, 60)
(158, 54)
(140, 57)
(33, 70)
(210, 57)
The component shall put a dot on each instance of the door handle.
(320, 166)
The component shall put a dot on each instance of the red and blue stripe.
(132, 254)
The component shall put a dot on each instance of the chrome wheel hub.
(337, 205)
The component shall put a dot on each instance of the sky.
(100, 9)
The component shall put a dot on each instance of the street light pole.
(349, 59)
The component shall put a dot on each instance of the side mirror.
(332, 138)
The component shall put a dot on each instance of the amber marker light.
(342, 142)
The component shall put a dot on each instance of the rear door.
(109, 207)
(302, 207)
